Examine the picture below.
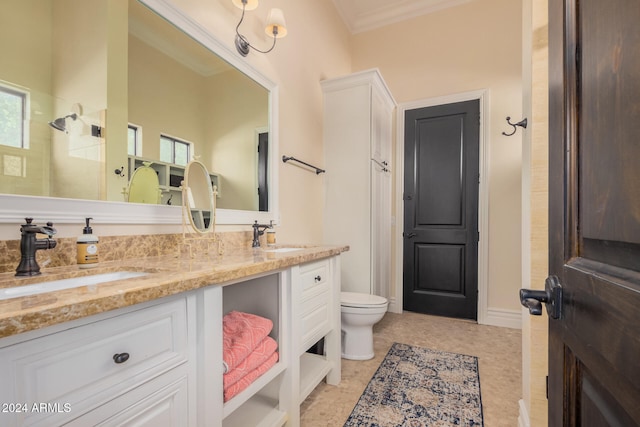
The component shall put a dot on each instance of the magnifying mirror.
(198, 199)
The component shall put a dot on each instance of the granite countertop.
(167, 275)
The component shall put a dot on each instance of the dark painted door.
(441, 210)
(594, 229)
(263, 175)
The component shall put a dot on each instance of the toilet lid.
(144, 186)
(354, 299)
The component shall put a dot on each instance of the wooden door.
(594, 161)
(441, 210)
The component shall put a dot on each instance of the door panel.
(594, 223)
(441, 210)
(439, 268)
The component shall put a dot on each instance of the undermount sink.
(283, 249)
(75, 282)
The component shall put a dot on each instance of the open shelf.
(245, 395)
(313, 369)
(259, 411)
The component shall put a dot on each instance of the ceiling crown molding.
(361, 16)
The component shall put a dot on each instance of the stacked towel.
(248, 351)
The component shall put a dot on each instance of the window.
(173, 150)
(134, 140)
(13, 116)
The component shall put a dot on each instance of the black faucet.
(257, 232)
(29, 245)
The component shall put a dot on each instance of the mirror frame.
(14, 208)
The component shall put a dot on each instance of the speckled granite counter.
(168, 275)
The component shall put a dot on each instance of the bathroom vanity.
(147, 351)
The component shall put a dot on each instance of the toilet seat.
(358, 300)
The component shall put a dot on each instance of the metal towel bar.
(285, 159)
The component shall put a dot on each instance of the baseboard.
(394, 306)
(505, 318)
(523, 416)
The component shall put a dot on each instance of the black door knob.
(410, 235)
(551, 297)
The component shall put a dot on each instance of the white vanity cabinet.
(315, 293)
(159, 363)
(132, 364)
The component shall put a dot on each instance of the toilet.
(359, 312)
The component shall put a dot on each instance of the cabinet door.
(380, 130)
(315, 313)
(160, 403)
(380, 229)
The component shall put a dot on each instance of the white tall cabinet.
(358, 121)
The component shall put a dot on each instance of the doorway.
(263, 172)
(441, 182)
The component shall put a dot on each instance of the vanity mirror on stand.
(198, 207)
(198, 198)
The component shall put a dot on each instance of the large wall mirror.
(91, 90)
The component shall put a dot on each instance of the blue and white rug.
(418, 387)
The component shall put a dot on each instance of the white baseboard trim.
(523, 416)
(505, 318)
(394, 306)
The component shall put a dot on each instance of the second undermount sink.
(278, 250)
(75, 282)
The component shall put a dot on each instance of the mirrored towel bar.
(285, 159)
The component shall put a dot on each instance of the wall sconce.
(276, 26)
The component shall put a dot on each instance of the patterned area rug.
(418, 387)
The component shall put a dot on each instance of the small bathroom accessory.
(359, 312)
(29, 244)
(522, 123)
(285, 159)
(87, 247)
(258, 230)
(198, 198)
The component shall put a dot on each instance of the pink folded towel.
(242, 332)
(245, 381)
(263, 351)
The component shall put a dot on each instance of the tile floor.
(498, 350)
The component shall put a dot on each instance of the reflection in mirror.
(198, 197)
(144, 186)
(56, 65)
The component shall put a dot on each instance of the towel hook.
(522, 123)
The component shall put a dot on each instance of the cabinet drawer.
(313, 277)
(315, 325)
(162, 402)
(78, 368)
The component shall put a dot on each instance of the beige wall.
(32, 21)
(467, 48)
(238, 110)
(317, 47)
(535, 206)
(167, 103)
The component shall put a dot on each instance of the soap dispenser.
(87, 247)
